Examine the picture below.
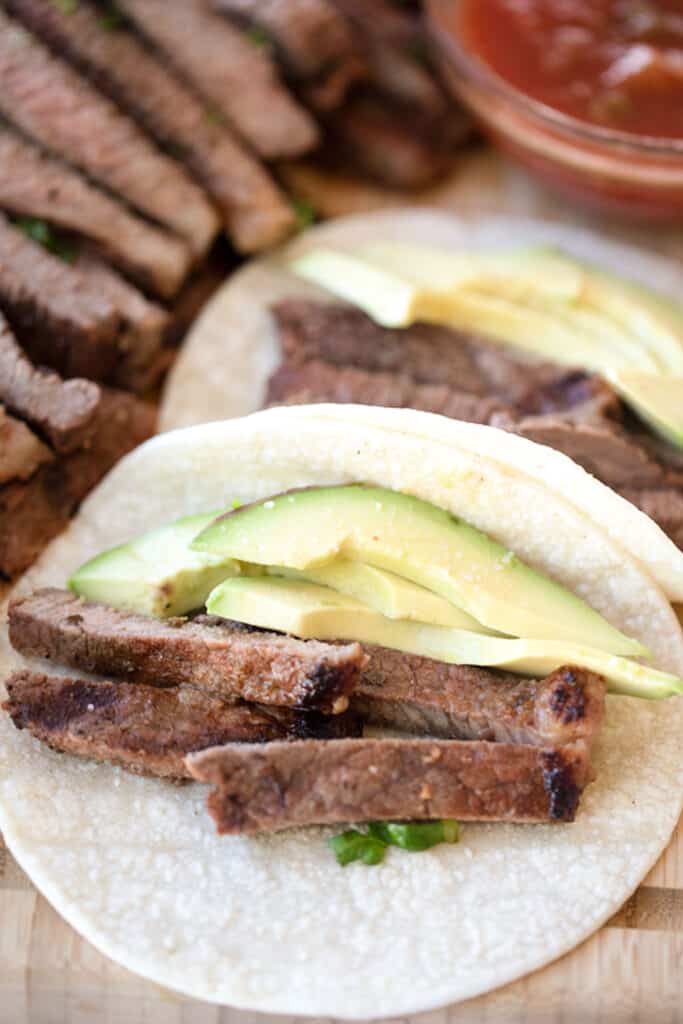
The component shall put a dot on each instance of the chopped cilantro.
(44, 234)
(257, 36)
(305, 213)
(370, 847)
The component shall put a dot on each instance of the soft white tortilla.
(232, 350)
(273, 924)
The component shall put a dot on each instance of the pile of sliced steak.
(57, 438)
(275, 724)
(334, 353)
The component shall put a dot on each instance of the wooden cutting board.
(631, 970)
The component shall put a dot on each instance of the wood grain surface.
(630, 971)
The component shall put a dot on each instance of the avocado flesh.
(658, 400)
(415, 540)
(156, 574)
(313, 612)
(519, 275)
(388, 299)
(557, 332)
(653, 318)
(385, 592)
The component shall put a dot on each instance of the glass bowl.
(637, 176)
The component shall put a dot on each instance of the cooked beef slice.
(418, 695)
(388, 143)
(21, 452)
(314, 41)
(62, 321)
(63, 412)
(146, 729)
(255, 211)
(208, 652)
(280, 785)
(324, 382)
(34, 184)
(144, 326)
(34, 512)
(238, 78)
(428, 353)
(55, 105)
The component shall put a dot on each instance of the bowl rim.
(479, 73)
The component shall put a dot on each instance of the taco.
(547, 331)
(357, 617)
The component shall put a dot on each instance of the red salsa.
(614, 63)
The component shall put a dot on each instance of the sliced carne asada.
(421, 696)
(63, 412)
(428, 353)
(255, 211)
(34, 184)
(144, 325)
(63, 322)
(231, 73)
(281, 785)
(388, 143)
(21, 452)
(51, 102)
(207, 652)
(146, 729)
(35, 511)
(314, 41)
(324, 382)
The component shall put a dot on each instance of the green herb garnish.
(305, 213)
(371, 846)
(42, 233)
(66, 6)
(354, 845)
(256, 35)
(112, 19)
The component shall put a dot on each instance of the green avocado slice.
(658, 400)
(424, 544)
(157, 573)
(387, 593)
(310, 611)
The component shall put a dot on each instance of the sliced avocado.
(384, 296)
(654, 318)
(387, 593)
(551, 332)
(420, 542)
(657, 399)
(517, 275)
(156, 574)
(313, 612)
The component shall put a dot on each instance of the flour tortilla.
(272, 923)
(232, 350)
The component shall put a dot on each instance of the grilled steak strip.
(418, 695)
(34, 184)
(428, 353)
(324, 382)
(144, 325)
(21, 452)
(230, 72)
(34, 512)
(56, 106)
(148, 729)
(314, 41)
(63, 412)
(280, 785)
(63, 322)
(208, 652)
(255, 212)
